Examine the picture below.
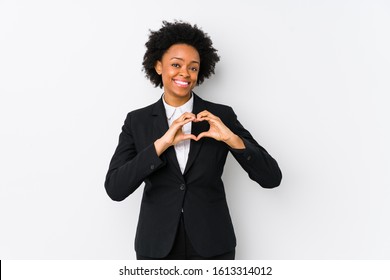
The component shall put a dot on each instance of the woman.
(178, 147)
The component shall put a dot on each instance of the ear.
(158, 67)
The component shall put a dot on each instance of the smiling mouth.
(181, 83)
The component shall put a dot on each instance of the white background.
(309, 79)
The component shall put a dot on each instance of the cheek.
(194, 76)
(167, 75)
(170, 72)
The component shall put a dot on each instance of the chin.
(183, 94)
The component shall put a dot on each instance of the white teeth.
(181, 83)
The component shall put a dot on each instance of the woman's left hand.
(218, 130)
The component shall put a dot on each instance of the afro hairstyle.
(179, 32)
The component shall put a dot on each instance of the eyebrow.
(194, 61)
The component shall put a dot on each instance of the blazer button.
(182, 187)
(152, 166)
(249, 158)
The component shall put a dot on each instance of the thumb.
(188, 136)
(201, 135)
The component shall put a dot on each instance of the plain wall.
(308, 79)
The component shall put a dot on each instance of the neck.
(176, 101)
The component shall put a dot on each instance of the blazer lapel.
(160, 124)
(196, 129)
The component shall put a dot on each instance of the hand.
(175, 133)
(218, 130)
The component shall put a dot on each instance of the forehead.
(182, 51)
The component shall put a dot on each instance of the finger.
(189, 114)
(179, 124)
(209, 119)
(187, 137)
(186, 115)
(183, 120)
(203, 134)
(205, 114)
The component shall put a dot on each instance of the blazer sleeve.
(254, 159)
(129, 167)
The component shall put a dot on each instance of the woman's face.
(179, 68)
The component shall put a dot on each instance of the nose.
(184, 72)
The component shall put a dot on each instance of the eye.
(194, 69)
(175, 65)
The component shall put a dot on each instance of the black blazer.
(198, 192)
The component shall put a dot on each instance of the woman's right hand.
(175, 133)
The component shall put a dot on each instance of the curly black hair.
(179, 32)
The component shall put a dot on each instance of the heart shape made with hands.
(217, 130)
